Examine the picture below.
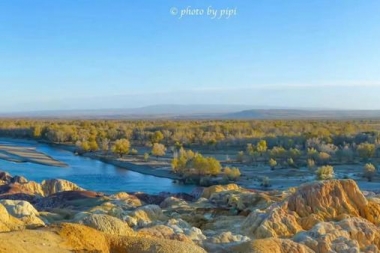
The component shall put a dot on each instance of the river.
(88, 173)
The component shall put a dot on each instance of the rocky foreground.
(59, 216)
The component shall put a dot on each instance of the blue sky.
(122, 53)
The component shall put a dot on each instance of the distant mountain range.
(303, 114)
(200, 112)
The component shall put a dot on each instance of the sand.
(27, 154)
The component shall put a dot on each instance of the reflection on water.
(88, 173)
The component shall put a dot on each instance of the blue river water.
(88, 173)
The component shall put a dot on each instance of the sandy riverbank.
(21, 154)
(145, 169)
(140, 168)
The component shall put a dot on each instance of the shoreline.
(26, 154)
(142, 169)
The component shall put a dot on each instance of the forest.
(213, 147)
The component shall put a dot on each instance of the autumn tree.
(121, 147)
(158, 149)
(157, 137)
(366, 150)
(262, 147)
(272, 163)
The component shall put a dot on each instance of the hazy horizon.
(59, 55)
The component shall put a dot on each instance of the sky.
(97, 54)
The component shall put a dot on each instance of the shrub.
(369, 171)
(310, 164)
(265, 182)
(325, 172)
(240, 157)
(272, 163)
(323, 157)
(133, 152)
(146, 157)
(232, 173)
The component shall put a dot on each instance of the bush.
(366, 150)
(323, 158)
(369, 171)
(310, 164)
(133, 152)
(265, 182)
(272, 163)
(232, 173)
(146, 157)
(325, 172)
(240, 157)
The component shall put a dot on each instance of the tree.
(37, 131)
(157, 137)
(366, 150)
(262, 147)
(121, 147)
(158, 149)
(105, 145)
(325, 172)
(369, 171)
(272, 163)
(206, 166)
(93, 145)
(146, 157)
(85, 146)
